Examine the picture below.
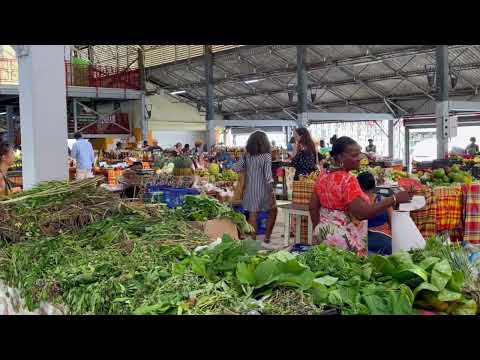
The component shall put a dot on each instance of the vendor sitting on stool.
(379, 227)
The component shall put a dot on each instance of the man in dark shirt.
(371, 148)
(472, 148)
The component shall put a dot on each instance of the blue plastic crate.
(262, 219)
(300, 248)
(176, 197)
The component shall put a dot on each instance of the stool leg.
(286, 227)
(298, 229)
(310, 231)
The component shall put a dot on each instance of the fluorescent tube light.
(252, 81)
(178, 92)
(368, 63)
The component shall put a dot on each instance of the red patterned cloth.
(448, 203)
(337, 189)
(425, 217)
(472, 213)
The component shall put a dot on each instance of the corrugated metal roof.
(383, 68)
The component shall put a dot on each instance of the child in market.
(379, 228)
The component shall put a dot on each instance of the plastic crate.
(262, 219)
(176, 197)
(300, 248)
(441, 163)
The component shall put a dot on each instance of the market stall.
(132, 258)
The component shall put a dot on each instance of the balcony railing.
(82, 75)
(8, 71)
(102, 76)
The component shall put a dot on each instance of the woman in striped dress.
(259, 194)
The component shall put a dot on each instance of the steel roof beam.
(323, 65)
(360, 102)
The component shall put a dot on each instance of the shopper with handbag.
(305, 160)
(259, 191)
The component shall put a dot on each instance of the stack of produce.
(182, 166)
(53, 208)
(440, 177)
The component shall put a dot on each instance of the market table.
(297, 210)
(453, 209)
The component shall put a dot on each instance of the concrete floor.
(277, 241)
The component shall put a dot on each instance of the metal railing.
(81, 75)
(8, 71)
(102, 76)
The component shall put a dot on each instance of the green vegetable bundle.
(109, 267)
(203, 208)
(53, 208)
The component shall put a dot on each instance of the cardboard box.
(217, 228)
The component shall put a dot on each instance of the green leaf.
(405, 290)
(326, 280)
(376, 305)
(441, 274)
(407, 271)
(425, 286)
(246, 273)
(319, 293)
(447, 295)
(401, 304)
(199, 265)
(303, 281)
(282, 256)
(335, 298)
(266, 272)
(292, 266)
(401, 258)
(366, 272)
(466, 307)
(427, 263)
(382, 264)
(456, 282)
(349, 295)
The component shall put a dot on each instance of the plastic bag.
(405, 234)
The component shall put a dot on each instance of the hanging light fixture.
(219, 105)
(453, 79)
(313, 94)
(290, 96)
(430, 72)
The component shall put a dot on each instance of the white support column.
(390, 138)
(43, 113)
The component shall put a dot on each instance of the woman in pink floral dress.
(339, 208)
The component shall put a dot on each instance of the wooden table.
(298, 211)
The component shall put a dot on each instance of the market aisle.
(277, 241)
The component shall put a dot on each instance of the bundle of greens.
(435, 285)
(109, 267)
(203, 208)
(53, 208)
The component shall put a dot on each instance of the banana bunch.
(311, 178)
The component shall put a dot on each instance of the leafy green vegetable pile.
(53, 208)
(148, 260)
(203, 208)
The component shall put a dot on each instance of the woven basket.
(302, 192)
